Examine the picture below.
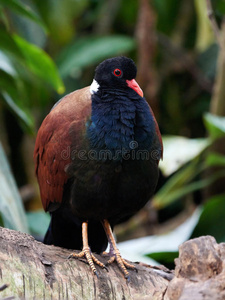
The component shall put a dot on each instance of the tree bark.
(32, 270)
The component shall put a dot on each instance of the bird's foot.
(114, 252)
(91, 259)
(121, 262)
(113, 258)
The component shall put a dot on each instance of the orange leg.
(86, 252)
(114, 251)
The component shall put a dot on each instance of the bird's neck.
(120, 123)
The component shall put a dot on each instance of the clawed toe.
(122, 263)
(90, 259)
(114, 253)
(129, 266)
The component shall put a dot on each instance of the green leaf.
(11, 208)
(14, 95)
(40, 63)
(215, 159)
(6, 65)
(38, 222)
(24, 10)
(180, 185)
(180, 150)
(25, 117)
(8, 45)
(177, 186)
(8, 84)
(165, 258)
(4, 18)
(212, 221)
(91, 50)
(215, 125)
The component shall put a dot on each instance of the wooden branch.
(32, 270)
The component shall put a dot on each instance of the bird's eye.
(117, 72)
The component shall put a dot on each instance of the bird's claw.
(90, 259)
(123, 265)
(106, 268)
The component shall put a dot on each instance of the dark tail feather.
(48, 238)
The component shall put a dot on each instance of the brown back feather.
(53, 143)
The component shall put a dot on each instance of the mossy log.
(32, 270)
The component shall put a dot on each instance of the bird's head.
(116, 73)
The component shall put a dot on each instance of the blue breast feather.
(117, 121)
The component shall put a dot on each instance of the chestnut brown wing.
(54, 141)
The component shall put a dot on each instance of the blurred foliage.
(164, 258)
(22, 64)
(38, 221)
(212, 219)
(86, 51)
(12, 213)
(186, 181)
(49, 48)
(195, 161)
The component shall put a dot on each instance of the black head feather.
(105, 72)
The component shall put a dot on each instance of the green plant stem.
(214, 23)
(217, 102)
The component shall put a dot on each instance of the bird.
(96, 160)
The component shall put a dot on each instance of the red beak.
(134, 85)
